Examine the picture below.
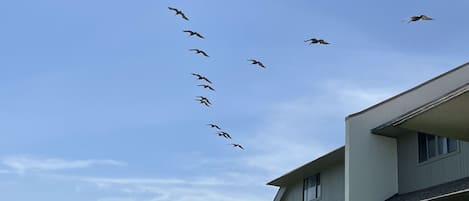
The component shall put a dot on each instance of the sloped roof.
(448, 115)
(316, 165)
(408, 91)
(438, 192)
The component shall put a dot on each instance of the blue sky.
(98, 101)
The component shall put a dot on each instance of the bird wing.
(413, 18)
(261, 64)
(424, 17)
(323, 42)
(194, 50)
(204, 78)
(184, 16)
(187, 31)
(237, 145)
(214, 126)
(203, 53)
(198, 35)
(171, 8)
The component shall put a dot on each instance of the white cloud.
(163, 193)
(169, 189)
(182, 193)
(208, 181)
(300, 130)
(117, 199)
(22, 164)
(292, 134)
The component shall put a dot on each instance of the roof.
(333, 157)
(447, 114)
(438, 192)
(407, 91)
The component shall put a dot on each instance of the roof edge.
(272, 183)
(405, 92)
(426, 107)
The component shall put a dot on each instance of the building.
(413, 146)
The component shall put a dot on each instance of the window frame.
(423, 142)
(316, 178)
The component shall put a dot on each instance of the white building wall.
(371, 160)
(372, 163)
(332, 185)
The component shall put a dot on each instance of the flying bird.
(419, 17)
(214, 126)
(237, 145)
(197, 51)
(206, 86)
(193, 33)
(200, 77)
(315, 40)
(255, 62)
(224, 134)
(179, 12)
(204, 100)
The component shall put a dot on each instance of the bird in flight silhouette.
(315, 40)
(214, 126)
(237, 145)
(206, 86)
(419, 17)
(204, 101)
(193, 33)
(200, 77)
(256, 62)
(197, 51)
(224, 134)
(179, 12)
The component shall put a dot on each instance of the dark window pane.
(312, 188)
(312, 191)
(422, 147)
(305, 189)
(431, 143)
(442, 145)
(452, 145)
(318, 185)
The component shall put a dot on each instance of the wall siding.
(371, 161)
(332, 186)
(415, 176)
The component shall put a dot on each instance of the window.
(431, 146)
(312, 188)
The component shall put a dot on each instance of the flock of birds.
(207, 83)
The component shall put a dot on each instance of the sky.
(97, 97)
